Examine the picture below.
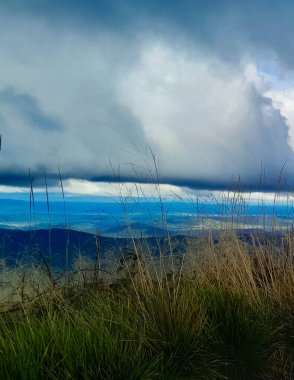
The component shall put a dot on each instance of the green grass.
(66, 344)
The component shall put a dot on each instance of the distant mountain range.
(23, 246)
(27, 247)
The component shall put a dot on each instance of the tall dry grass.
(222, 310)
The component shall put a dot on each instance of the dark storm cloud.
(30, 110)
(227, 26)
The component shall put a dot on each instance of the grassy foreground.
(222, 311)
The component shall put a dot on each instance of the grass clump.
(73, 345)
(242, 334)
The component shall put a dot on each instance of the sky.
(190, 94)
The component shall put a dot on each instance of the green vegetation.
(223, 311)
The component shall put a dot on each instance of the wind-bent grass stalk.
(32, 199)
(65, 220)
(48, 265)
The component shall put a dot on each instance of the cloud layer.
(90, 88)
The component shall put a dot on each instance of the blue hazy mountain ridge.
(24, 247)
(150, 218)
(32, 247)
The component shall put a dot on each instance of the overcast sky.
(93, 87)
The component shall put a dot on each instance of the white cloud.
(117, 189)
(283, 98)
(206, 119)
